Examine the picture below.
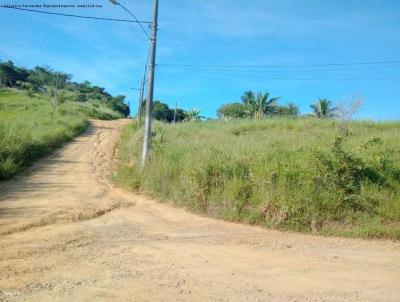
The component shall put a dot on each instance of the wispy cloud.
(215, 32)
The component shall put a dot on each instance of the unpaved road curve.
(67, 235)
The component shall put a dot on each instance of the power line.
(79, 16)
(285, 79)
(282, 66)
(134, 17)
(133, 31)
(274, 70)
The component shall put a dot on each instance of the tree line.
(162, 112)
(252, 105)
(48, 82)
(261, 104)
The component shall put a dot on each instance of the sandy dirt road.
(66, 234)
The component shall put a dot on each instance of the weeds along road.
(68, 235)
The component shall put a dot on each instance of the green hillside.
(28, 130)
(40, 109)
(304, 174)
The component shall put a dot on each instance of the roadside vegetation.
(308, 173)
(162, 112)
(41, 109)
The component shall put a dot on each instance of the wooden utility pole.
(139, 113)
(149, 99)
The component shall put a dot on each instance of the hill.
(40, 109)
(304, 174)
(29, 129)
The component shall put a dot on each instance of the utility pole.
(149, 99)
(139, 113)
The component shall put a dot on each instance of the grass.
(26, 135)
(307, 175)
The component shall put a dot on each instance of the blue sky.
(223, 32)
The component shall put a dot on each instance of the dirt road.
(66, 234)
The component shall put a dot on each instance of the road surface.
(66, 234)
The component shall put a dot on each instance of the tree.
(248, 97)
(162, 112)
(345, 112)
(11, 74)
(232, 110)
(41, 76)
(63, 79)
(84, 87)
(118, 104)
(97, 92)
(289, 109)
(193, 115)
(180, 115)
(51, 96)
(258, 106)
(323, 109)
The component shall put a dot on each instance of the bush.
(338, 180)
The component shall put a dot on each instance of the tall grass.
(28, 132)
(297, 174)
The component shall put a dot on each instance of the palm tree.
(192, 115)
(248, 97)
(323, 109)
(258, 106)
(265, 106)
